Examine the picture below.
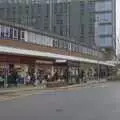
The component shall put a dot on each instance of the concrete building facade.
(105, 27)
(26, 50)
(70, 18)
(88, 22)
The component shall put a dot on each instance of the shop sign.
(61, 61)
(72, 63)
(17, 66)
(43, 62)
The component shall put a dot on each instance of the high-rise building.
(105, 27)
(70, 18)
(90, 22)
(51, 36)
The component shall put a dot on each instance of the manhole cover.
(59, 110)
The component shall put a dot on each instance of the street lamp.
(97, 44)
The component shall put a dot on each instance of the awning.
(18, 51)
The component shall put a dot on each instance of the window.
(47, 10)
(7, 32)
(104, 17)
(103, 6)
(69, 46)
(61, 31)
(55, 43)
(15, 33)
(2, 11)
(84, 50)
(22, 35)
(91, 5)
(105, 30)
(27, 10)
(14, 10)
(11, 33)
(82, 29)
(82, 4)
(61, 44)
(65, 45)
(105, 41)
(91, 29)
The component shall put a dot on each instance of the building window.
(22, 35)
(15, 33)
(55, 43)
(82, 4)
(103, 5)
(82, 29)
(14, 10)
(11, 33)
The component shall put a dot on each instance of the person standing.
(33, 79)
(27, 79)
(1, 81)
(82, 75)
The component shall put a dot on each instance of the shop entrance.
(69, 71)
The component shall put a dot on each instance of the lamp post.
(97, 45)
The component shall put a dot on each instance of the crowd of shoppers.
(35, 79)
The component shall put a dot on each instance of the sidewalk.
(30, 88)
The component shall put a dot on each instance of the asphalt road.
(100, 103)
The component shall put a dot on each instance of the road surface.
(96, 103)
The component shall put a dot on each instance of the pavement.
(31, 88)
(87, 103)
(23, 91)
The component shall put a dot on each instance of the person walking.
(33, 79)
(82, 75)
(27, 79)
(1, 81)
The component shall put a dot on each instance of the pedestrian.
(1, 81)
(33, 79)
(82, 75)
(15, 78)
(9, 79)
(27, 79)
(36, 80)
(56, 76)
(44, 83)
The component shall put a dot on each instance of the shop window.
(15, 34)
(55, 43)
(2, 34)
(18, 34)
(7, 35)
(11, 33)
(22, 35)
(69, 46)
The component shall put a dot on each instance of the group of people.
(14, 78)
(40, 78)
(35, 79)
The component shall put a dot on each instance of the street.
(92, 103)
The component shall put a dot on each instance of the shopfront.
(73, 72)
(23, 65)
(69, 70)
(44, 68)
